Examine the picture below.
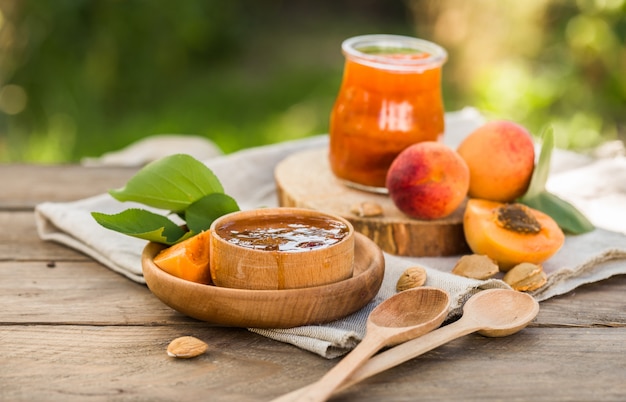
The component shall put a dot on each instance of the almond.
(186, 347)
(476, 266)
(526, 277)
(411, 278)
(366, 209)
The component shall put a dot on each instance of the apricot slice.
(510, 233)
(188, 259)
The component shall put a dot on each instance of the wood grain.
(84, 363)
(70, 292)
(24, 186)
(19, 240)
(305, 180)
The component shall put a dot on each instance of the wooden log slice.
(305, 180)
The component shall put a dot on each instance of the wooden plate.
(270, 308)
(305, 180)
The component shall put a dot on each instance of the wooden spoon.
(493, 313)
(398, 319)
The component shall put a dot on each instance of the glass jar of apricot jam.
(390, 98)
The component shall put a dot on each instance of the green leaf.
(201, 214)
(143, 224)
(179, 184)
(568, 218)
(564, 214)
(542, 169)
(171, 183)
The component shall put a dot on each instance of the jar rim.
(353, 48)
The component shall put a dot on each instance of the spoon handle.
(411, 349)
(393, 357)
(323, 388)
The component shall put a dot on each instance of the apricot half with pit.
(501, 158)
(510, 233)
(428, 180)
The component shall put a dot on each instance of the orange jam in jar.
(390, 98)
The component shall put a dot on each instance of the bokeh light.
(83, 78)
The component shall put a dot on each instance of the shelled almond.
(411, 278)
(476, 266)
(186, 347)
(526, 277)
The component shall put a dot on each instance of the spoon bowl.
(409, 314)
(514, 311)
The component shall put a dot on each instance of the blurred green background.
(79, 77)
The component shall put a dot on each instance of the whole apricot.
(510, 233)
(501, 158)
(428, 180)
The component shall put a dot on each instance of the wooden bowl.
(280, 248)
(270, 308)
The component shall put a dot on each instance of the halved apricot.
(188, 259)
(510, 233)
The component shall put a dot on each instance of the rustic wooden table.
(72, 330)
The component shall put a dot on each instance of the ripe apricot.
(501, 158)
(428, 180)
(510, 233)
(188, 259)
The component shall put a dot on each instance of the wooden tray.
(270, 308)
(305, 180)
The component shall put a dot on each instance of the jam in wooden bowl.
(280, 248)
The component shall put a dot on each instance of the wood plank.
(19, 241)
(72, 363)
(597, 304)
(77, 293)
(535, 364)
(24, 186)
(102, 363)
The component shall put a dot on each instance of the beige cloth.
(596, 186)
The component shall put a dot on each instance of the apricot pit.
(518, 218)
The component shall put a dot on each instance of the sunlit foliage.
(79, 78)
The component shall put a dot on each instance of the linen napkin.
(596, 186)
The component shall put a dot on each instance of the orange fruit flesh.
(188, 259)
(509, 248)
